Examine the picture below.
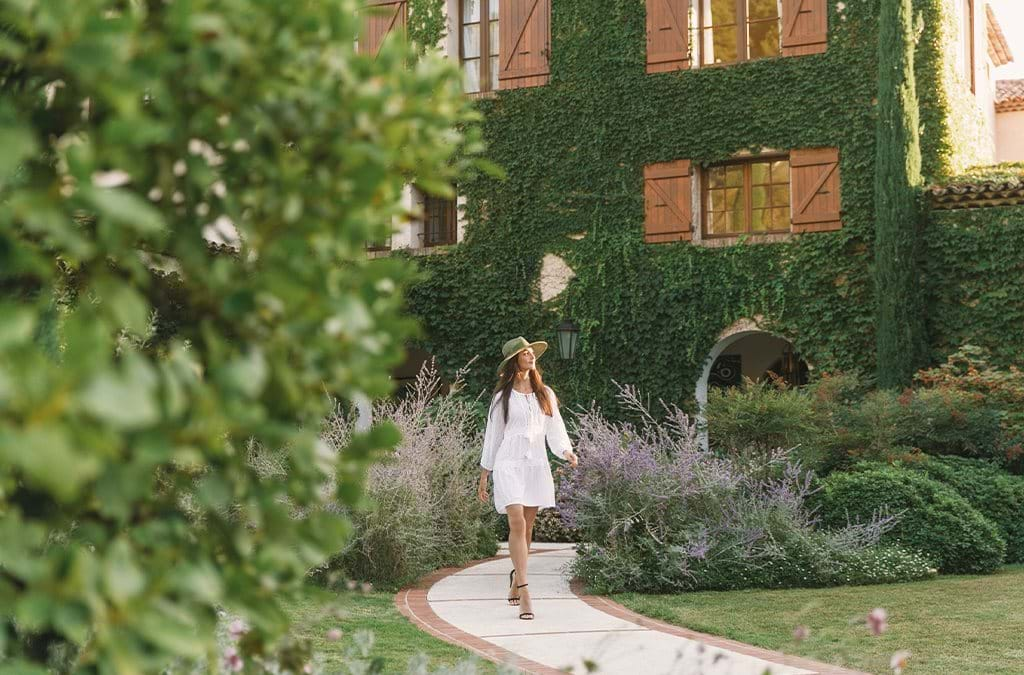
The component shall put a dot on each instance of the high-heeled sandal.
(522, 615)
(512, 599)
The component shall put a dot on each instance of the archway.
(746, 351)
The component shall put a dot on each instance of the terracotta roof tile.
(1009, 95)
(978, 195)
(998, 50)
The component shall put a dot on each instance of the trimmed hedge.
(999, 496)
(936, 520)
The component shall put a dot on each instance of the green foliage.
(128, 511)
(935, 520)
(996, 494)
(899, 338)
(647, 311)
(426, 23)
(972, 259)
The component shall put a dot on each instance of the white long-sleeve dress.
(515, 452)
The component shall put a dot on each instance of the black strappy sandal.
(512, 600)
(523, 615)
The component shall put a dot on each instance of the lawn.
(953, 624)
(395, 639)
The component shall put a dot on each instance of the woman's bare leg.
(529, 515)
(517, 546)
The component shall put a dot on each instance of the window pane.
(717, 200)
(719, 12)
(761, 220)
(492, 9)
(733, 223)
(759, 197)
(734, 199)
(471, 75)
(471, 41)
(493, 46)
(780, 195)
(734, 175)
(723, 45)
(780, 171)
(718, 223)
(762, 9)
(764, 39)
(716, 177)
(494, 73)
(759, 173)
(780, 218)
(470, 11)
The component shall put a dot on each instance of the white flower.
(202, 209)
(241, 145)
(155, 194)
(899, 661)
(178, 197)
(110, 179)
(180, 168)
(218, 189)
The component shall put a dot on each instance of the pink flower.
(899, 661)
(351, 584)
(878, 621)
(308, 668)
(801, 633)
(237, 629)
(366, 587)
(334, 634)
(232, 660)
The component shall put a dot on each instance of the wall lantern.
(568, 338)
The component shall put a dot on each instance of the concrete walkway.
(466, 606)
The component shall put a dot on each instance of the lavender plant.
(420, 511)
(660, 514)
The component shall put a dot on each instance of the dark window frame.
(746, 162)
(485, 47)
(443, 208)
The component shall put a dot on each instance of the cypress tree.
(900, 322)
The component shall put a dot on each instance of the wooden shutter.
(804, 27)
(814, 189)
(667, 212)
(668, 30)
(383, 17)
(524, 43)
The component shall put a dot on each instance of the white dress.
(515, 452)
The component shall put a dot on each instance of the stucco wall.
(1010, 136)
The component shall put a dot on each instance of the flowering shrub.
(422, 512)
(936, 520)
(1001, 390)
(660, 514)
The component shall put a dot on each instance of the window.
(738, 30)
(965, 55)
(379, 245)
(440, 221)
(478, 44)
(749, 196)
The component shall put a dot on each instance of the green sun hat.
(517, 344)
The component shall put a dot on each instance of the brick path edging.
(411, 601)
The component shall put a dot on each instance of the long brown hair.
(507, 377)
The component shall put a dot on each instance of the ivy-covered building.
(692, 182)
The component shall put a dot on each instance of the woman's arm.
(554, 431)
(493, 434)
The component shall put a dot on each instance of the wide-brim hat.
(517, 344)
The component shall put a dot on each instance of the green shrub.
(131, 132)
(935, 520)
(998, 495)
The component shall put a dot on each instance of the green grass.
(954, 624)
(318, 610)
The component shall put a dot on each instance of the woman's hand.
(571, 457)
(481, 489)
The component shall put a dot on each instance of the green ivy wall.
(650, 313)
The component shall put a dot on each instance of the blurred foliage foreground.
(131, 132)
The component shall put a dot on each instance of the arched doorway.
(745, 351)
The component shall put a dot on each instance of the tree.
(900, 329)
(131, 129)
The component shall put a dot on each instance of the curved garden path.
(466, 606)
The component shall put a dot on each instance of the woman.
(523, 413)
